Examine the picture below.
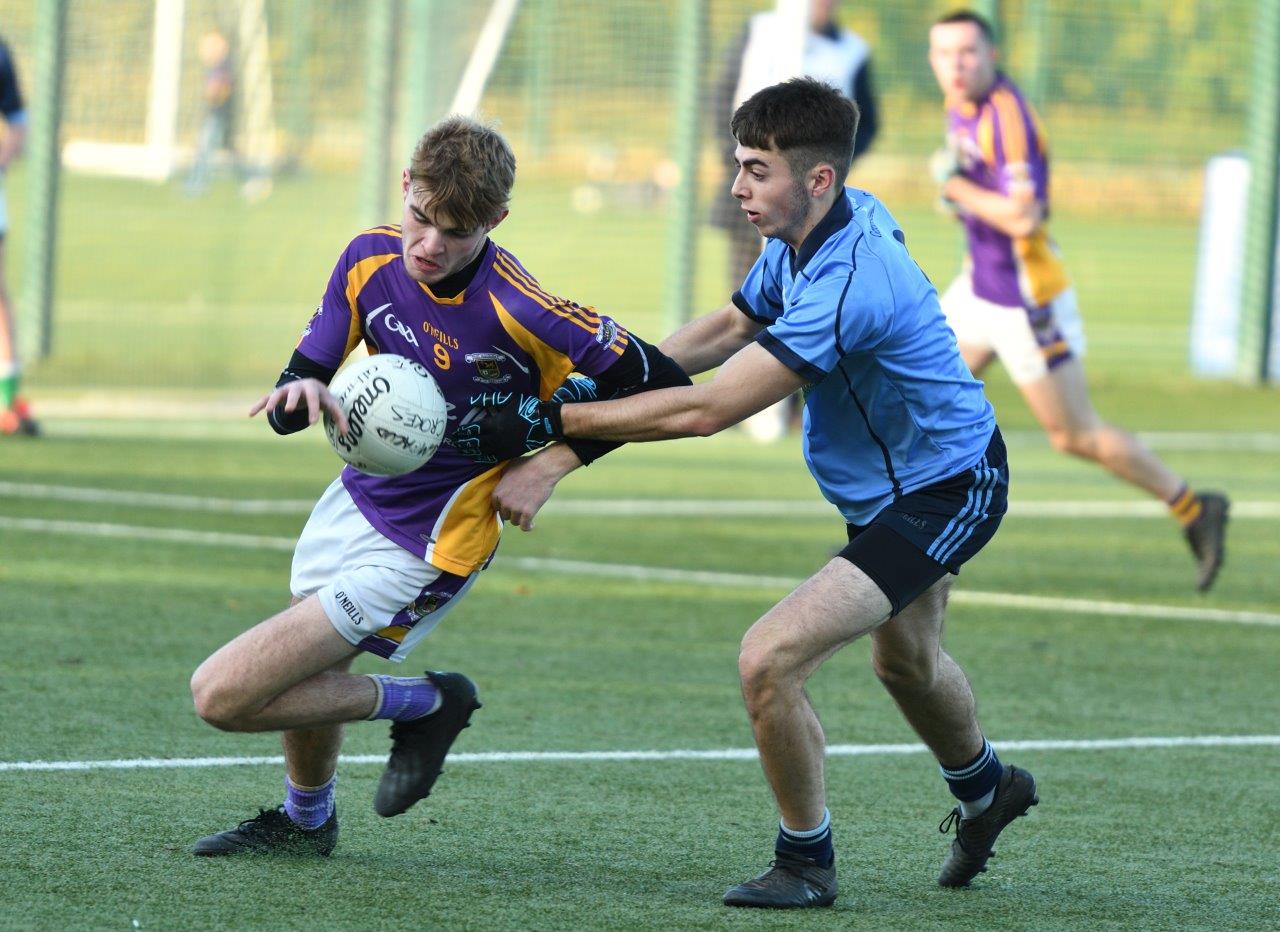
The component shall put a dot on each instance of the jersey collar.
(836, 219)
(453, 289)
(969, 109)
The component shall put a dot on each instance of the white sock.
(977, 806)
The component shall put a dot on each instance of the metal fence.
(596, 97)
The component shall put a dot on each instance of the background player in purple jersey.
(383, 559)
(1013, 299)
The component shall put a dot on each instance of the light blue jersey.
(891, 406)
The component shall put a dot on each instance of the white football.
(396, 415)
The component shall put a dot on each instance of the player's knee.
(764, 673)
(1073, 442)
(216, 701)
(755, 669)
(911, 673)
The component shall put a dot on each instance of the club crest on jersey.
(607, 333)
(488, 368)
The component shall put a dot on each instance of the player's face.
(434, 247)
(821, 12)
(963, 61)
(773, 199)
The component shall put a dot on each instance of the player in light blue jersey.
(899, 437)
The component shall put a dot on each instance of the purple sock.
(309, 809)
(404, 698)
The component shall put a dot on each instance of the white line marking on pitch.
(607, 507)
(117, 415)
(67, 493)
(659, 573)
(720, 754)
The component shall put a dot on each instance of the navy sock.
(974, 784)
(814, 844)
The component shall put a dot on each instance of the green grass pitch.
(105, 632)
(102, 634)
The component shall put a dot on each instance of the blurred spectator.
(832, 54)
(15, 413)
(217, 94)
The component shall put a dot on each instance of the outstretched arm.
(750, 381)
(528, 482)
(708, 341)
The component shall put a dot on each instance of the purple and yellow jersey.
(1003, 148)
(502, 332)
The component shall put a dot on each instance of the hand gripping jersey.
(503, 332)
(890, 406)
(1002, 148)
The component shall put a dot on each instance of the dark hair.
(968, 16)
(806, 120)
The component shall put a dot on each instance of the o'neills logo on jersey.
(359, 410)
(437, 334)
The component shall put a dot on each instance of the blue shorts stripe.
(985, 492)
(987, 488)
(959, 529)
(946, 532)
(950, 529)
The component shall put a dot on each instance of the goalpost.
(156, 151)
(153, 157)
(604, 104)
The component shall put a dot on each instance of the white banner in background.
(1215, 314)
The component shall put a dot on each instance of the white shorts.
(378, 595)
(1029, 343)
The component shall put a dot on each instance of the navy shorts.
(932, 531)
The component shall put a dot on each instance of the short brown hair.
(806, 120)
(467, 167)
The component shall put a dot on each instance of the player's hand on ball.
(311, 392)
(502, 425)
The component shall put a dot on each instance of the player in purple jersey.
(1013, 300)
(383, 559)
